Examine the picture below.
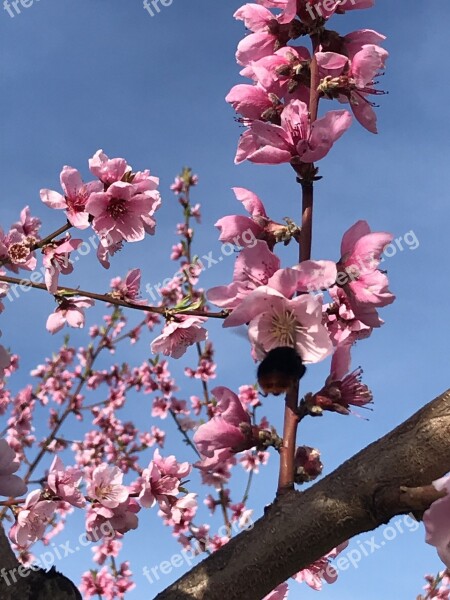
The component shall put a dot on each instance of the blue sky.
(104, 74)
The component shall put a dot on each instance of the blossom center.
(18, 253)
(284, 328)
(117, 208)
(78, 203)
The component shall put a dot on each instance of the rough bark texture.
(37, 585)
(365, 492)
(299, 528)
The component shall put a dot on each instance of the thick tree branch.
(365, 492)
(18, 583)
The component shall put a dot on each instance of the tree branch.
(299, 528)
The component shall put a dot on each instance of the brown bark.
(36, 585)
(365, 492)
(378, 483)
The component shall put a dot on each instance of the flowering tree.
(296, 67)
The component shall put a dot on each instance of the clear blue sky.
(78, 76)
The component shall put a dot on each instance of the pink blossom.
(57, 260)
(10, 485)
(282, 75)
(358, 274)
(437, 521)
(352, 80)
(15, 251)
(252, 101)
(230, 429)
(108, 170)
(128, 290)
(105, 486)
(32, 519)
(147, 184)
(70, 311)
(178, 334)
(170, 466)
(251, 460)
(97, 584)
(120, 212)
(108, 547)
(74, 200)
(28, 226)
(64, 482)
(106, 521)
(156, 486)
(235, 229)
(321, 570)
(253, 268)
(296, 139)
(276, 321)
(267, 33)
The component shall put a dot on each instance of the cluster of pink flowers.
(120, 204)
(280, 310)
(275, 106)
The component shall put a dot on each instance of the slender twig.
(51, 237)
(68, 292)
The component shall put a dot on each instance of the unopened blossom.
(295, 140)
(308, 465)
(279, 593)
(73, 201)
(105, 486)
(64, 482)
(32, 519)
(70, 311)
(178, 334)
(10, 484)
(437, 521)
(230, 429)
(57, 260)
